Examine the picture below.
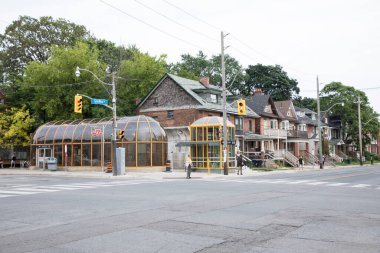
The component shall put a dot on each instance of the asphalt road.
(308, 211)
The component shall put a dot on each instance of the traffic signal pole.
(114, 126)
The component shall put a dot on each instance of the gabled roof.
(283, 108)
(258, 103)
(190, 86)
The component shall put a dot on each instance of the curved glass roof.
(136, 128)
(211, 121)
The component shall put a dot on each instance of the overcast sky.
(338, 40)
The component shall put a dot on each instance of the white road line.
(337, 184)
(59, 188)
(317, 183)
(360, 185)
(5, 196)
(279, 182)
(301, 181)
(17, 192)
(35, 190)
(75, 186)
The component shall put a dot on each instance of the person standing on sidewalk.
(240, 164)
(188, 164)
(1, 163)
(300, 161)
(13, 161)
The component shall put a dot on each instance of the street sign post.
(98, 101)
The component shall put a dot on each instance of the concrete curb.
(176, 174)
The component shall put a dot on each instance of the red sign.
(96, 132)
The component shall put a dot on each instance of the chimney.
(205, 81)
(258, 92)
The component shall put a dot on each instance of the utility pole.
(224, 94)
(319, 128)
(360, 132)
(114, 126)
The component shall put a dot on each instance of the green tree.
(336, 92)
(15, 128)
(305, 102)
(195, 67)
(48, 89)
(272, 80)
(28, 39)
(138, 76)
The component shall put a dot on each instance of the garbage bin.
(52, 163)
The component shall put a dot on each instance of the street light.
(319, 124)
(114, 125)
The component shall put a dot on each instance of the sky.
(336, 40)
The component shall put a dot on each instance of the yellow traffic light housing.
(120, 134)
(241, 107)
(78, 104)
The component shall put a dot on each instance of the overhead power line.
(175, 21)
(151, 26)
(191, 15)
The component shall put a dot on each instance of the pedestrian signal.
(241, 107)
(78, 104)
(120, 134)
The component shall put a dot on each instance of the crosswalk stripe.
(338, 184)
(35, 189)
(360, 185)
(5, 196)
(317, 183)
(301, 181)
(18, 192)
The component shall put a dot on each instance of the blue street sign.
(98, 101)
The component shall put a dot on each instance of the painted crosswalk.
(287, 181)
(31, 189)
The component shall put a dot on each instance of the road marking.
(301, 181)
(279, 182)
(59, 188)
(317, 183)
(5, 196)
(75, 186)
(35, 189)
(360, 185)
(338, 184)
(17, 192)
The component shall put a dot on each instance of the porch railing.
(291, 159)
(297, 134)
(275, 132)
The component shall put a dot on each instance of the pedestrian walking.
(323, 161)
(188, 165)
(240, 164)
(1, 163)
(13, 161)
(300, 161)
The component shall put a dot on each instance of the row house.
(268, 136)
(176, 103)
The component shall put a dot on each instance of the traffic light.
(78, 104)
(120, 134)
(241, 107)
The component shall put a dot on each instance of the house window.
(289, 114)
(170, 114)
(155, 118)
(268, 109)
(273, 124)
(213, 98)
(155, 101)
(238, 123)
(285, 125)
(250, 125)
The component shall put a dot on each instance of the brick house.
(177, 102)
(268, 136)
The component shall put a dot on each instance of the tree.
(15, 128)
(139, 75)
(195, 67)
(28, 39)
(305, 102)
(272, 80)
(48, 89)
(336, 92)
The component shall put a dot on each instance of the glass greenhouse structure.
(87, 143)
(206, 146)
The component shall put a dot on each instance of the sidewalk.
(176, 174)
